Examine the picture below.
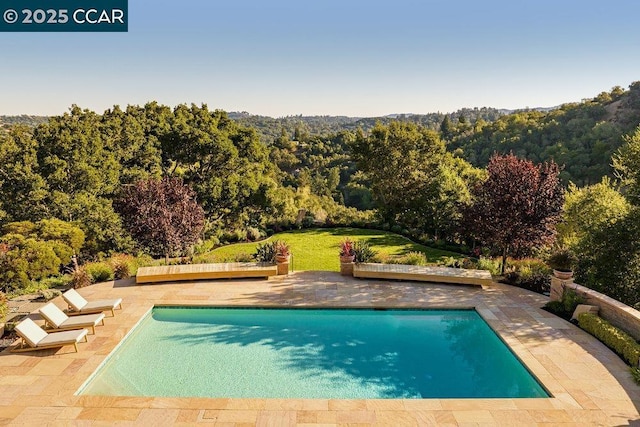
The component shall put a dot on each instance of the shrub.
(450, 262)
(396, 229)
(4, 306)
(555, 307)
(635, 374)
(619, 341)
(562, 260)
(206, 246)
(239, 235)
(566, 305)
(413, 258)
(99, 271)
(265, 252)
(121, 266)
(490, 264)
(385, 259)
(253, 234)
(49, 294)
(204, 259)
(80, 278)
(233, 236)
(527, 266)
(362, 251)
(570, 300)
(54, 282)
(243, 257)
(536, 282)
(528, 273)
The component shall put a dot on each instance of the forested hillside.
(580, 136)
(32, 121)
(299, 127)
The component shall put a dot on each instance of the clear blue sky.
(347, 57)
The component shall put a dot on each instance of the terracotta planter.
(347, 258)
(346, 265)
(282, 264)
(563, 275)
(282, 258)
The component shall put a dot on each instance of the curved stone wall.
(615, 312)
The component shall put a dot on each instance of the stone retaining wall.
(615, 312)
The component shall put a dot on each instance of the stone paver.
(590, 385)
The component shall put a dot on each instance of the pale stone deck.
(590, 384)
(459, 276)
(226, 270)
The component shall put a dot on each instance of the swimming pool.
(313, 353)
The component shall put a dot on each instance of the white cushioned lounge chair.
(33, 337)
(56, 320)
(79, 305)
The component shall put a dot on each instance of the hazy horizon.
(357, 59)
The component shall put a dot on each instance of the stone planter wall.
(615, 312)
(346, 268)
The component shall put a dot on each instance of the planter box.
(346, 268)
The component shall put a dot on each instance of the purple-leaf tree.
(163, 216)
(517, 207)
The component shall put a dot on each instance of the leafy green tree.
(609, 250)
(163, 216)
(413, 179)
(23, 191)
(64, 238)
(517, 207)
(626, 162)
(76, 156)
(55, 229)
(446, 128)
(589, 209)
(23, 259)
(609, 259)
(224, 163)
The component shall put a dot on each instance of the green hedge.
(612, 337)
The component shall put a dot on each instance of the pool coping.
(590, 385)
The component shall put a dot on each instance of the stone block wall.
(615, 312)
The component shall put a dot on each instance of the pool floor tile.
(591, 386)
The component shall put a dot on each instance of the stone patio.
(589, 383)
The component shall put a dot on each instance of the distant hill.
(298, 127)
(31, 121)
(579, 136)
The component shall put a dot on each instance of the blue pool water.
(309, 353)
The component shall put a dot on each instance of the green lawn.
(317, 249)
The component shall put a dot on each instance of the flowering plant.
(346, 248)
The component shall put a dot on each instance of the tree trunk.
(166, 258)
(504, 260)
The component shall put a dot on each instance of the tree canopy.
(517, 207)
(163, 216)
(414, 180)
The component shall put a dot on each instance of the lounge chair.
(33, 337)
(79, 305)
(56, 320)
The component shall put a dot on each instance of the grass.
(317, 249)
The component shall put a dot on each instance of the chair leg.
(93, 330)
(75, 346)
